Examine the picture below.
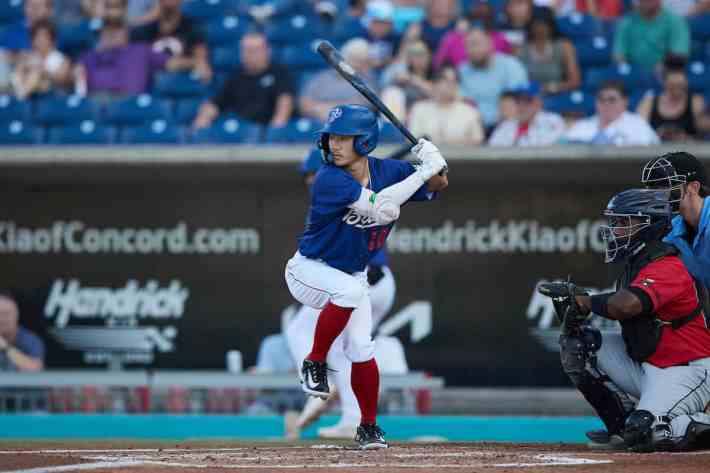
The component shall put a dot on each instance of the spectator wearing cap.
(446, 118)
(20, 349)
(258, 91)
(487, 74)
(533, 125)
(327, 89)
(613, 124)
(647, 35)
(689, 232)
(379, 24)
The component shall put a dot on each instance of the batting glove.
(431, 160)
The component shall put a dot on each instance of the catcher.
(650, 383)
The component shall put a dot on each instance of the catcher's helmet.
(350, 120)
(660, 173)
(622, 236)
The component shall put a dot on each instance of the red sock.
(365, 380)
(331, 323)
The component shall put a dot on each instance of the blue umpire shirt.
(696, 257)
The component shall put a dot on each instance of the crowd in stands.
(472, 72)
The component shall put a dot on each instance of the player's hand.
(432, 162)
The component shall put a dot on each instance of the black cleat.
(314, 378)
(603, 440)
(370, 437)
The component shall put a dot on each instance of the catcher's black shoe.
(370, 436)
(603, 440)
(314, 378)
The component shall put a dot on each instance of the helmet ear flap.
(324, 148)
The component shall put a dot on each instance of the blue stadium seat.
(228, 129)
(632, 77)
(186, 110)
(11, 11)
(59, 111)
(577, 103)
(300, 57)
(227, 31)
(86, 132)
(578, 25)
(593, 51)
(156, 132)
(73, 40)
(225, 58)
(296, 131)
(12, 109)
(348, 29)
(206, 10)
(19, 133)
(699, 51)
(179, 85)
(389, 133)
(636, 96)
(302, 28)
(699, 76)
(136, 111)
(700, 27)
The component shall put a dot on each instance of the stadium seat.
(348, 29)
(156, 132)
(11, 11)
(576, 103)
(700, 27)
(302, 28)
(205, 10)
(593, 51)
(186, 110)
(136, 111)
(226, 31)
(228, 129)
(300, 57)
(176, 85)
(389, 133)
(19, 133)
(632, 77)
(296, 131)
(73, 40)
(86, 132)
(635, 97)
(699, 76)
(225, 59)
(12, 109)
(577, 25)
(60, 111)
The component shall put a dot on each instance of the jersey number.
(377, 239)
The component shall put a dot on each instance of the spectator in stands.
(5, 72)
(406, 13)
(441, 16)
(646, 36)
(384, 42)
(17, 36)
(179, 36)
(507, 106)
(259, 90)
(116, 67)
(350, 25)
(487, 74)
(141, 12)
(675, 113)
(612, 124)
(603, 9)
(551, 62)
(452, 48)
(446, 118)
(43, 68)
(20, 349)
(517, 15)
(687, 8)
(327, 89)
(405, 82)
(533, 125)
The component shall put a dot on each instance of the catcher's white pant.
(679, 392)
(313, 283)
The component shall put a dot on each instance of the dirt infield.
(187, 457)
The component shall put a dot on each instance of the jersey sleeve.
(401, 171)
(333, 190)
(663, 281)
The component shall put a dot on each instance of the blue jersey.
(381, 258)
(696, 257)
(335, 233)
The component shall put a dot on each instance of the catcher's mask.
(635, 217)
(659, 173)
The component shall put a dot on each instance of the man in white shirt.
(613, 124)
(533, 126)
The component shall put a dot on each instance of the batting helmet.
(624, 237)
(350, 120)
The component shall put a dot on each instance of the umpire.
(649, 384)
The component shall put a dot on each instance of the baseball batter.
(662, 355)
(355, 201)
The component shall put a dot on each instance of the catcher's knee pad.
(359, 351)
(639, 431)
